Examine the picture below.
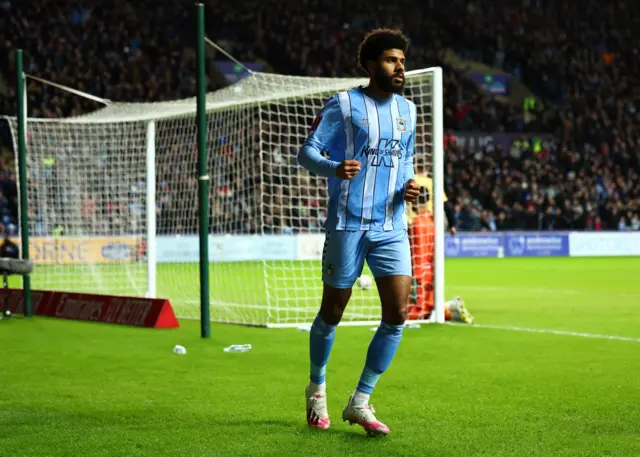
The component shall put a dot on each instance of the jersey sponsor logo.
(316, 123)
(384, 153)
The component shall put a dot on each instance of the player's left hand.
(411, 191)
(453, 231)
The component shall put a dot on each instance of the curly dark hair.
(376, 42)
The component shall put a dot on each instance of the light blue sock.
(320, 343)
(383, 347)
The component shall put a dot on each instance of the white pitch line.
(542, 291)
(549, 331)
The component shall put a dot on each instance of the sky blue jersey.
(380, 134)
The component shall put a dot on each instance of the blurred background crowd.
(566, 71)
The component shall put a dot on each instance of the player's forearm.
(408, 172)
(448, 211)
(311, 158)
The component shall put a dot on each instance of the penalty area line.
(548, 331)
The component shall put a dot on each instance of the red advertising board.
(140, 312)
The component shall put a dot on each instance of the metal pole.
(22, 177)
(203, 177)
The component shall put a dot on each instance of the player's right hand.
(348, 169)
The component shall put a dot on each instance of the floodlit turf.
(555, 289)
(81, 389)
(248, 292)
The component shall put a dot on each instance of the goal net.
(113, 202)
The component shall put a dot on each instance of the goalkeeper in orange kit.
(422, 241)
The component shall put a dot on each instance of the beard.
(385, 82)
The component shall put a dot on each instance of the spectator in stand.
(579, 57)
(565, 191)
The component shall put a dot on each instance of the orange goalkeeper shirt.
(421, 235)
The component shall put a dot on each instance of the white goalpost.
(113, 200)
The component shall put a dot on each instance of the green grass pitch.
(82, 389)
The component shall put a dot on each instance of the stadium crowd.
(578, 57)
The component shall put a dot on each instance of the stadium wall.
(82, 250)
(227, 248)
(235, 248)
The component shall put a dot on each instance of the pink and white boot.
(317, 414)
(364, 416)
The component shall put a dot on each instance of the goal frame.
(188, 108)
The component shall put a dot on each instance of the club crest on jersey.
(401, 124)
(365, 121)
